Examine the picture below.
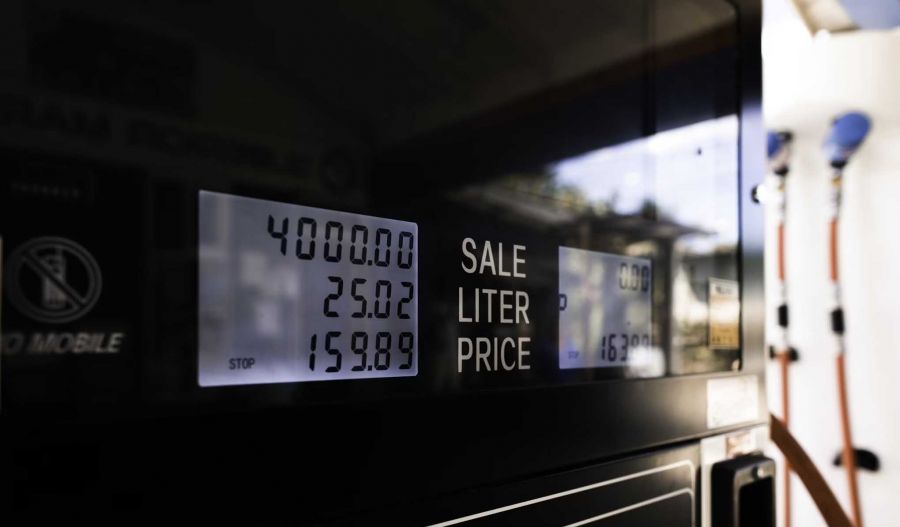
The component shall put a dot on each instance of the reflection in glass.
(685, 182)
(681, 186)
(670, 198)
(605, 312)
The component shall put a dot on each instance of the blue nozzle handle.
(847, 133)
(777, 143)
(773, 144)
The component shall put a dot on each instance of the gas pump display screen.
(605, 309)
(290, 293)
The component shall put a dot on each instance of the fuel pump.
(778, 149)
(433, 263)
(846, 135)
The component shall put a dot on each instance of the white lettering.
(523, 353)
(463, 318)
(82, 342)
(501, 272)
(492, 354)
(40, 343)
(509, 300)
(477, 304)
(460, 356)
(503, 346)
(482, 353)
(517, 261)
(74, 342)
(468, 254)
(522, 306)
(505, 306)
(490, 262)
(487, 259)
(115, 341)
(64, 342)
(489, 293)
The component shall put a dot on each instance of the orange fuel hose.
(848, 456)
(832, 249)
(784, 354)
(812, 479)
(784, 360)
(781, 252)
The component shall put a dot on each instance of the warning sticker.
(53, 280)
(731, 400)
(724, 314)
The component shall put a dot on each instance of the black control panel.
(441, 263)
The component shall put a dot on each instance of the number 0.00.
(634, 277)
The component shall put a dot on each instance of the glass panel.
(528, 128)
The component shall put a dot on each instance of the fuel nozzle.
(779, 151)
(847, 133)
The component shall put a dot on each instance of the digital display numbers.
(604, 310)
(291, 293)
